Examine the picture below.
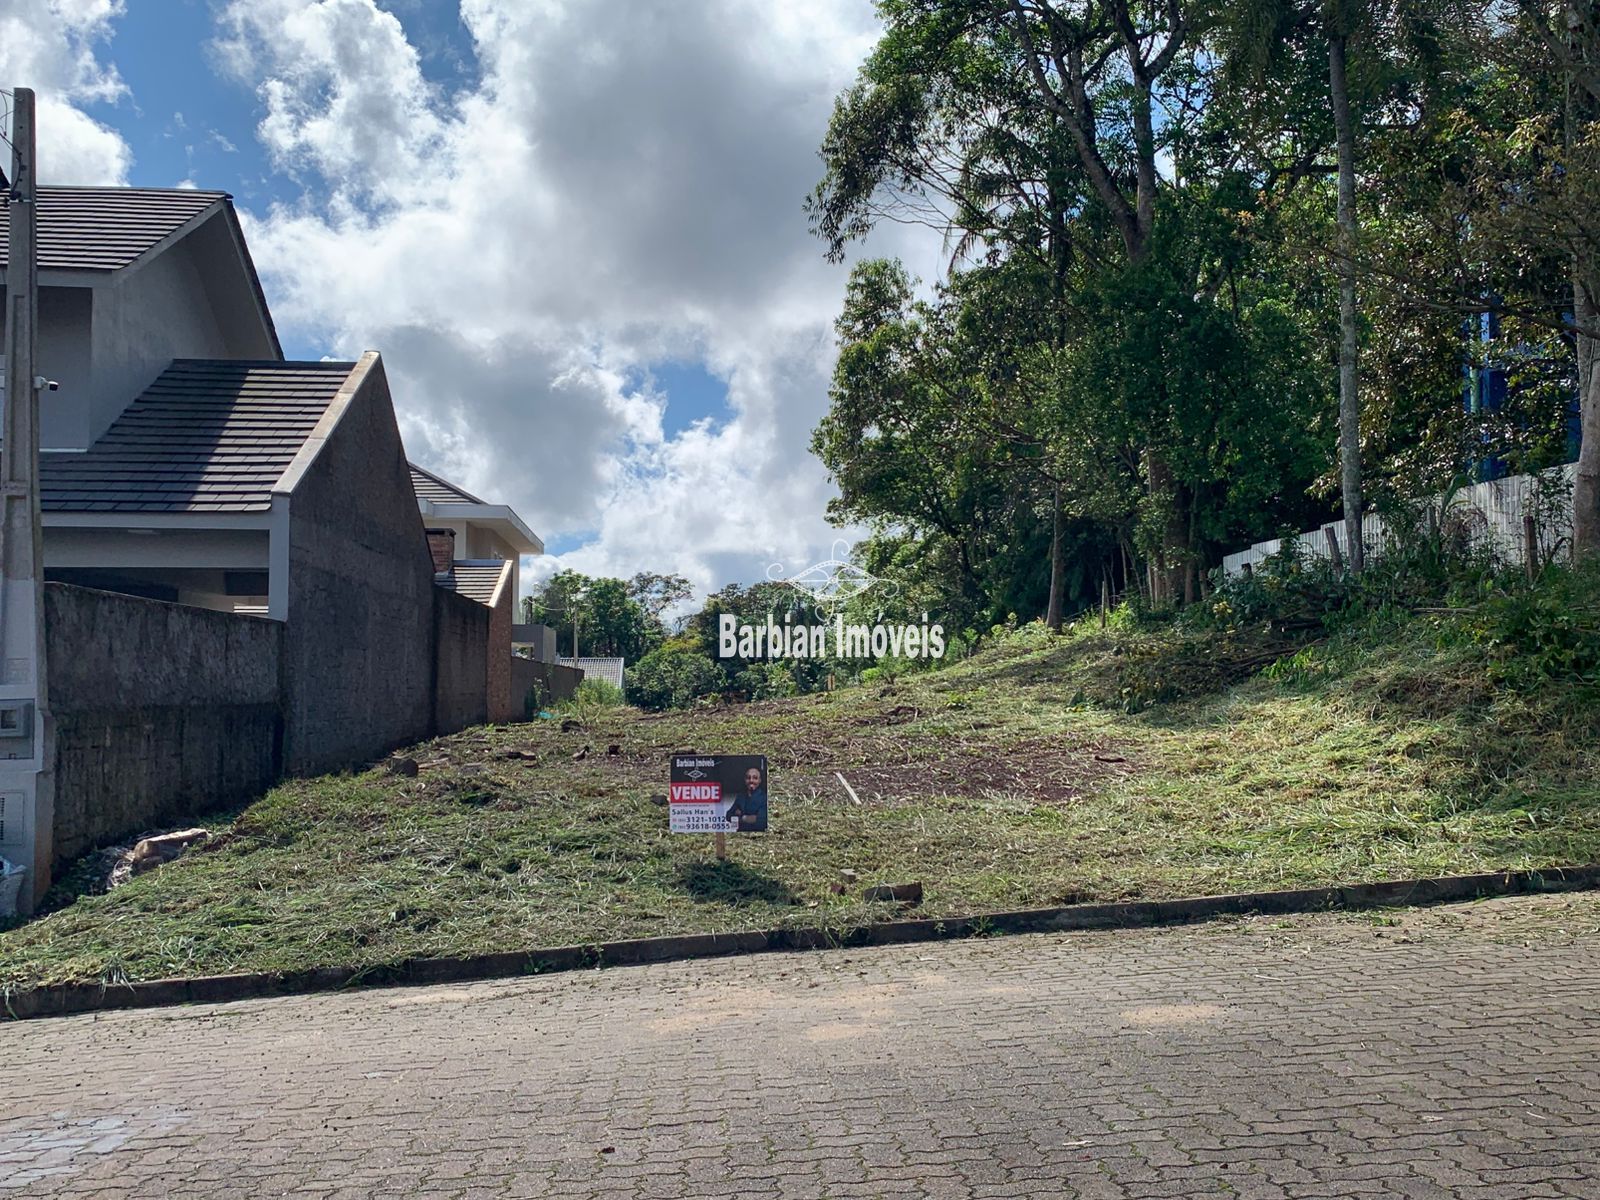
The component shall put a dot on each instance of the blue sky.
(578, 243)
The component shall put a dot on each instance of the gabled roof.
(104, 229)
(476, 579)
(429, 486)
(206, 436)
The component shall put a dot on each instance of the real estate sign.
(718, 793)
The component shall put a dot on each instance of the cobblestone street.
(1454, 1052)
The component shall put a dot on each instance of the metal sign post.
(26, 797)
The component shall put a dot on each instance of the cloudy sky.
(572, 228)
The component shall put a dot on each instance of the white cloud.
(604, 194)
(51, 46)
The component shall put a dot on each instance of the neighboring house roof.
(106, 229)
(608, 669)
(102, 229)
(440, 499)
(206, 436)
(429, 486)
(477, 579)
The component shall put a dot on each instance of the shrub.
(601, 693)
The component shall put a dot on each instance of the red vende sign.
(696, 793)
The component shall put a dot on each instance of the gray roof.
(207, 436)
(475, 578)
(102, 229)
(609, 669)
(429, 486)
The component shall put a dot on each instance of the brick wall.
(442, 549)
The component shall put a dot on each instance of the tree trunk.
(1053, 613)
(1349, 394)
(1586, 481)
(1169, 560)
(1580, 113)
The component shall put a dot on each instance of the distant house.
(184, 460)
(483, 532)
(477, 550)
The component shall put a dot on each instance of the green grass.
(1016, 779)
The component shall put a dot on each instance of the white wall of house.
(238, 550)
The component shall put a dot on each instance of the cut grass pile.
(1011, 780)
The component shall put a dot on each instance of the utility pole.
(27, 806)
(577, 602)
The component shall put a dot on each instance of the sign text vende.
(696, 793)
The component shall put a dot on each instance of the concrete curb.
(65, 998)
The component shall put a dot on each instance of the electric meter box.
(16, 729)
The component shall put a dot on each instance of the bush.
(592, 698)
(599, 693)
(766, 681)
(1532, 634)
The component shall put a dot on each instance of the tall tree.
(1349, 335)
(1571, 30)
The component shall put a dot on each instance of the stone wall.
(161, 712)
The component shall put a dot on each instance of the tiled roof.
(608, 669)
(207, 436)
(476, 579)
(101, 229)
(429, 486)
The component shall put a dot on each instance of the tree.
(606, 620)
(967, 92)
(1268, 38)
(657, 593)
(672, 676)
(909, 435)
(939, 130)
(1568, 190)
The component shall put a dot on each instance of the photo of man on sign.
(718, 793)
(747, 813)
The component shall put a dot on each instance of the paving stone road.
(1455, 1053)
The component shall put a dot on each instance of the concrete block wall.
(550, 683)
(358, 653)
(503, 707)
(1487, 514)
(460, 686)
(161, 712)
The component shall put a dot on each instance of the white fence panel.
(1486, 514)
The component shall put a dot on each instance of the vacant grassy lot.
(1014, 779)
